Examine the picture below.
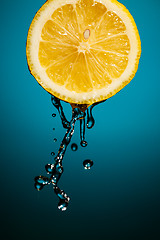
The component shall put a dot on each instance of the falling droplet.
(52, 153)
(74, 147)
(38, 186)
(87, 164)
(90, 119)
(53, 115)
(83, 143)
(62, 205)
(55, 139)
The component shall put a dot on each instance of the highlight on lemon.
(83, 51)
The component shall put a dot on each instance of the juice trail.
(56, 102)
(55, 170)
(82, 133)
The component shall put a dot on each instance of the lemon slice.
(83, 51)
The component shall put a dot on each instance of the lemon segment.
(83, 51)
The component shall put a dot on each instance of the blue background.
(119, 197)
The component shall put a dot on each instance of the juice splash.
(55, 170)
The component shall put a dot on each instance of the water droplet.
(52, 153)
(55, 139)
(41, 180)
(90, 123)
(38, 186)
(90, 119)
(62, 205)
(53, 115)
(74, 147)
(49, 168)
(83, 143)
(87, 164)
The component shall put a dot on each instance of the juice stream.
(55, 170)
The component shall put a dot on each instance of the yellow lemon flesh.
(83, 51)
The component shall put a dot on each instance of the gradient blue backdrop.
(119, 197)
